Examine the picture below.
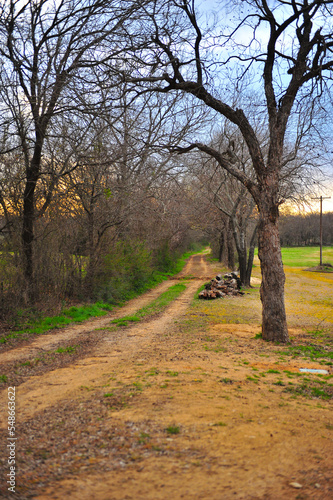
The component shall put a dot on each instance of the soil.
(188, 404)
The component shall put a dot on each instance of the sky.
(327, 203)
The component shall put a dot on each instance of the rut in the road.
(43, 391)
(196, 268)
(57, 337)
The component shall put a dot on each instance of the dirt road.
(172, 407)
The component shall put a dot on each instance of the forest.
(131, 131)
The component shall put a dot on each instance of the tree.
(214, 223)
(178, 60)
(120, 171)
(303, 229)
(47, 50)
(231, 198)
(239, 213)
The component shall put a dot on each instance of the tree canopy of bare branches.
(50, 53)
(289, 45)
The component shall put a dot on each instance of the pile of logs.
(218, 287)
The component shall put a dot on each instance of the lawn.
(306, 256)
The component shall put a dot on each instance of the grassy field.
(306, 256)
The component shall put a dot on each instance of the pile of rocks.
(218, 287)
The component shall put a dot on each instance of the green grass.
(155, 307)
(173, 429)
(217, 347)
(68, 349)
(226, 380)
(305, 256)
(152, 372)
(310, 351)
(310, 390)
(71, 315)
(125, 320)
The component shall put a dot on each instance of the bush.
(127, 270)
(131, 268)
(163, 260)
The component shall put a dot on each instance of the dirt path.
(185, 405)
(116, 347)
(196, 268)
(59, 336)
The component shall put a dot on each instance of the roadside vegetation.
(30, 321)
(155, 307)
(132, 282)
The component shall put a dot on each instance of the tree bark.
(230, 248)
(91, 270)
(274, 323)
(240, 242)
(221, 245)
(250, 258)
(27, 239)
(242, 262)
(32, 175)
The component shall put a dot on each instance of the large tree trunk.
(230, 248)
(274, 323)
(251, 258)
(240, 242)
(32, 175)
(221, 245)
(91, 269)
(27, 240)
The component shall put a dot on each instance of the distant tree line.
(303, 230)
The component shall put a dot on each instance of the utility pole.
(321, 198)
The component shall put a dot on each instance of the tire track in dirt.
(196, 268)
(41, 392)
(58, 336)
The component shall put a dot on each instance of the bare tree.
(121, 171)
(178, 60)
(48, 49)
(235, 203)
(230, 196)
(303, 229)
(206, 215)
